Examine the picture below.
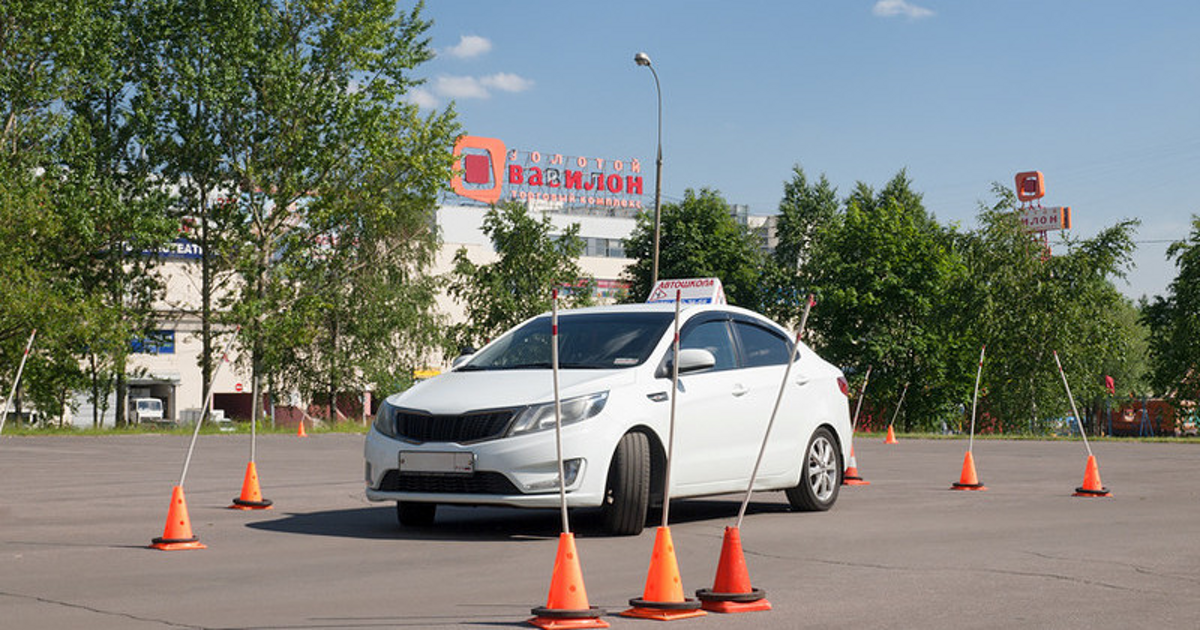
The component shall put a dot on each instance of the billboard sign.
(487, 171)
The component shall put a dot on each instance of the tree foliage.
(699, 238)
(886, 276)
(1174, 323)
(531, 262)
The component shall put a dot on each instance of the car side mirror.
(695, 359)
(460, 359)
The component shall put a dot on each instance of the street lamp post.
(642, 59)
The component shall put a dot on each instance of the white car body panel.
(720, 420)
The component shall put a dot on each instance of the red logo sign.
(477, 173)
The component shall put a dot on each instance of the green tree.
(699, 238)
(1174, 322)
(885, 274)
(532, 260)
(192, 89)
(325, 133)
(1026, 305)
(804, 209)
(73, 157)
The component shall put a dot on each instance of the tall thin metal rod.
(17, 381)
(207, 404)
(975, 399)
(774, 411)
(562, 480)
(899, 404)
(862, 393)
(1078, 420)
(671, 431)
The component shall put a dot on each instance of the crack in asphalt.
(1144, 570)
(99, 611)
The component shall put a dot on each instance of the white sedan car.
(483, 433)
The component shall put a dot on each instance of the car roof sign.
(691, 291)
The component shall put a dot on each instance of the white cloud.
(507, 82)
(470, 46)
(422, 98)
(478, 87)
(892, 8)
(460, 87)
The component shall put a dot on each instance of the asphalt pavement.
(77, 515)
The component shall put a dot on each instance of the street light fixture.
(642, 59)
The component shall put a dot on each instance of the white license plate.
(437, 462)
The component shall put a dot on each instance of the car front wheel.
(413, 514)
(821, 477)
(627, 494)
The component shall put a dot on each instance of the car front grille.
(483, 482)
(466, 428)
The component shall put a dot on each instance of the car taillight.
(844, 385)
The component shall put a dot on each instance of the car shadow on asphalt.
(494, 523)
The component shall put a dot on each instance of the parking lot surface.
(77, 514)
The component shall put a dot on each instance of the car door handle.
(740, 390)
(802, 381)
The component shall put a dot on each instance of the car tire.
(627, 493)
(820, 476)
(415, 514)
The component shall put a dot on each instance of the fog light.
(571, 468)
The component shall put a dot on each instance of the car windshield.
(587, 341)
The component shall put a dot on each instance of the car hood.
(460, 392)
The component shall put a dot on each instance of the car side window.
(762, 346)
(712, 336)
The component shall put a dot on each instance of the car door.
(764, 356)
(716, 434)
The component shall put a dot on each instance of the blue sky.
(1101, 96)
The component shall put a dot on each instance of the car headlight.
(385, 420)
(541, 417)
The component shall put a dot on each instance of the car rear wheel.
(415, 514)
(821, 477)
(627, 494)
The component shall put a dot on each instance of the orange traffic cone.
(891, 436)
(851, 478)
(177, 534)
(731, 591)
(300, 429)
(663, 597)
(252, 498)
(1091, 481)
(969, 480)
(567, 605)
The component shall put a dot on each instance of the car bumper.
(519, 471)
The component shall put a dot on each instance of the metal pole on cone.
(900, 404)
(774, 411)
(16, 381)
(732, 590)
(207, 404)
(562, 481)
(663, 598)
(851, 477)
(969, 480)
(1074, 410)
(671, 426)
(1091, 478)
(975, 399)
(566, 605)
